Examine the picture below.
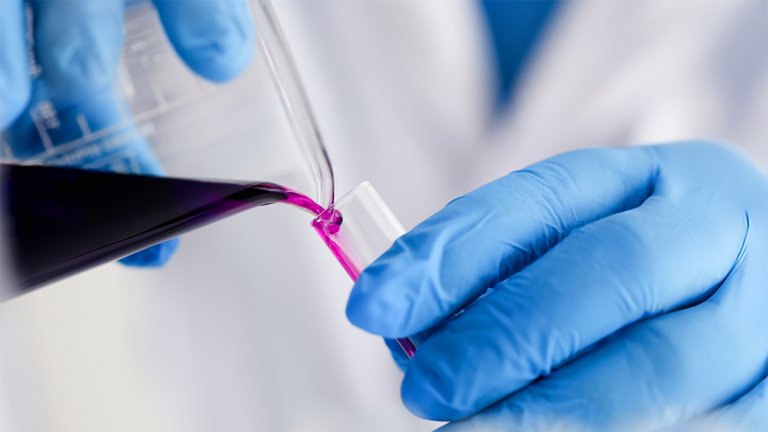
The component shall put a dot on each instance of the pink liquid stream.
(327, 224)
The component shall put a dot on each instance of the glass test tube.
(358, 228)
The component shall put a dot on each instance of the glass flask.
(164, 151)
(159, 119)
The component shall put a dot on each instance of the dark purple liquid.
(60, 221)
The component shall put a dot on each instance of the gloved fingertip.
(216, 39)
(153, 256)
(221, 62)
(366, 312)
(423, 393)
(374, 307)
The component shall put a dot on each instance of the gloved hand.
(77, 44)
(604, 289)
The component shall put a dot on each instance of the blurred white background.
(245, 328)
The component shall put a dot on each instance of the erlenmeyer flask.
(197, 147)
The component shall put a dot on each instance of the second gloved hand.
(605, 289)
(76, 47)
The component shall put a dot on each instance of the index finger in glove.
(215, 38)
(486, 236)
(78, 45)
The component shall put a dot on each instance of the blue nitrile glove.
(77, 45)
(629, 292)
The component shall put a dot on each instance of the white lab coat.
(245, 329)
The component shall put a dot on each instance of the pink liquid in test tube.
(328, 225)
